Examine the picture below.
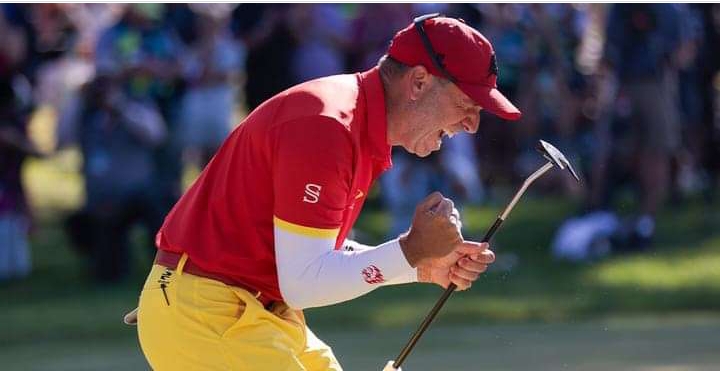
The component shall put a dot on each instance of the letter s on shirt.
(312, 193)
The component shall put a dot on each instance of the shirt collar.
(372, 86)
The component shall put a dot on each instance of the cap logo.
(493, 65)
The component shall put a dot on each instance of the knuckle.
(490, 257)
(435, 195)
(463, 284)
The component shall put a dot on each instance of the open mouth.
(444, 133)
(439, 138)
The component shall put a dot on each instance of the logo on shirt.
(372, 275)
(359, 194)
(312, 193)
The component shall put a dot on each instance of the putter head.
(554, 155)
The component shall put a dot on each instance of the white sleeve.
(312, 274)
(350, 245)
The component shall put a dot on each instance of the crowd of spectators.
(629, 92)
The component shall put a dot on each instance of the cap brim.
(491, 100)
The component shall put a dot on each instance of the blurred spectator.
(709, 64)
(210, 68)
(652, 102)
(14, 147)
(117, 136)
(75, 29)
(460, 170)
(143, 55)
(500, 23)
(406, 183)
(264, 30)
(687, 177)
(642, 41)
(373, 28)
(140, 53)
(322, 36)
(182, 20)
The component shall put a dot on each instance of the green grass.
(635, 344)
(680, 278)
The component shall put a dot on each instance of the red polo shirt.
(304, 158)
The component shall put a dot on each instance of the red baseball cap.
(449, 48)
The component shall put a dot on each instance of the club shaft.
(451, 288)
(438, 305)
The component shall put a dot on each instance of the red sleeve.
(313, 172)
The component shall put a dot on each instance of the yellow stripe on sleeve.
(305, 231)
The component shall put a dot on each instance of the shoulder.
(318, 112)
(317, 134)
(334, 97)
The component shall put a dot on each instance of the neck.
(393, 115)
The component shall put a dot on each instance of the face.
(441, 110)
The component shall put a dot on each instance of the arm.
(311, 273)
(350, 245)
(312, 180)
(313, 167)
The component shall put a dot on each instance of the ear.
(420, 80)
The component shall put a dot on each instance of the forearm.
(350, 245)
(312, 274)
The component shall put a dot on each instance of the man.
(261, 234)
(641, 48)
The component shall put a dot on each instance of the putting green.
(632, 344)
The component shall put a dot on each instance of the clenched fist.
(435, 230)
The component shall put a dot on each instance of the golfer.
(261, 234)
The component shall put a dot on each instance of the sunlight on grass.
(697, 268)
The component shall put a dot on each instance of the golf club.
(554, 158)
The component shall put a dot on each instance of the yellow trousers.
(195, 323)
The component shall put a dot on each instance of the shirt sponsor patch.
(372, 275)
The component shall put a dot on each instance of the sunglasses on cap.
(434, 56)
